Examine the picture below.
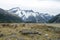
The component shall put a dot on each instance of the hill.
(55, 19)
(6, 17)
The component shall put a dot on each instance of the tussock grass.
(12, 31)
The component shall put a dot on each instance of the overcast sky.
(46, 6)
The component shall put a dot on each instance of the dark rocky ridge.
(6, 17)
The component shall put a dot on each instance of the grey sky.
(50, 6)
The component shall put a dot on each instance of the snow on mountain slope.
(27, 14)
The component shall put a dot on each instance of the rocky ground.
(24, 31)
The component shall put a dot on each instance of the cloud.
(48, 0)
(29, 3)
(44, 5)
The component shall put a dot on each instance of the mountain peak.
(30, 14)
(14, 8)
(28, 10)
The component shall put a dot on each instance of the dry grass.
(12, 32)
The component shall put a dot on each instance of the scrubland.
(29, 31)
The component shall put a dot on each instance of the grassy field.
(29, 31)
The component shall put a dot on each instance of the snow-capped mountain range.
(30, 15)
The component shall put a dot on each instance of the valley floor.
(29, 31)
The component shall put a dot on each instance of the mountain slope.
(55, 19)
(43, 18)
(6, 17)
(30, 15)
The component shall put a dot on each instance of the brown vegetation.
(24, 31)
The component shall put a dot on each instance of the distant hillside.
(55, 19)
(6, 17)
